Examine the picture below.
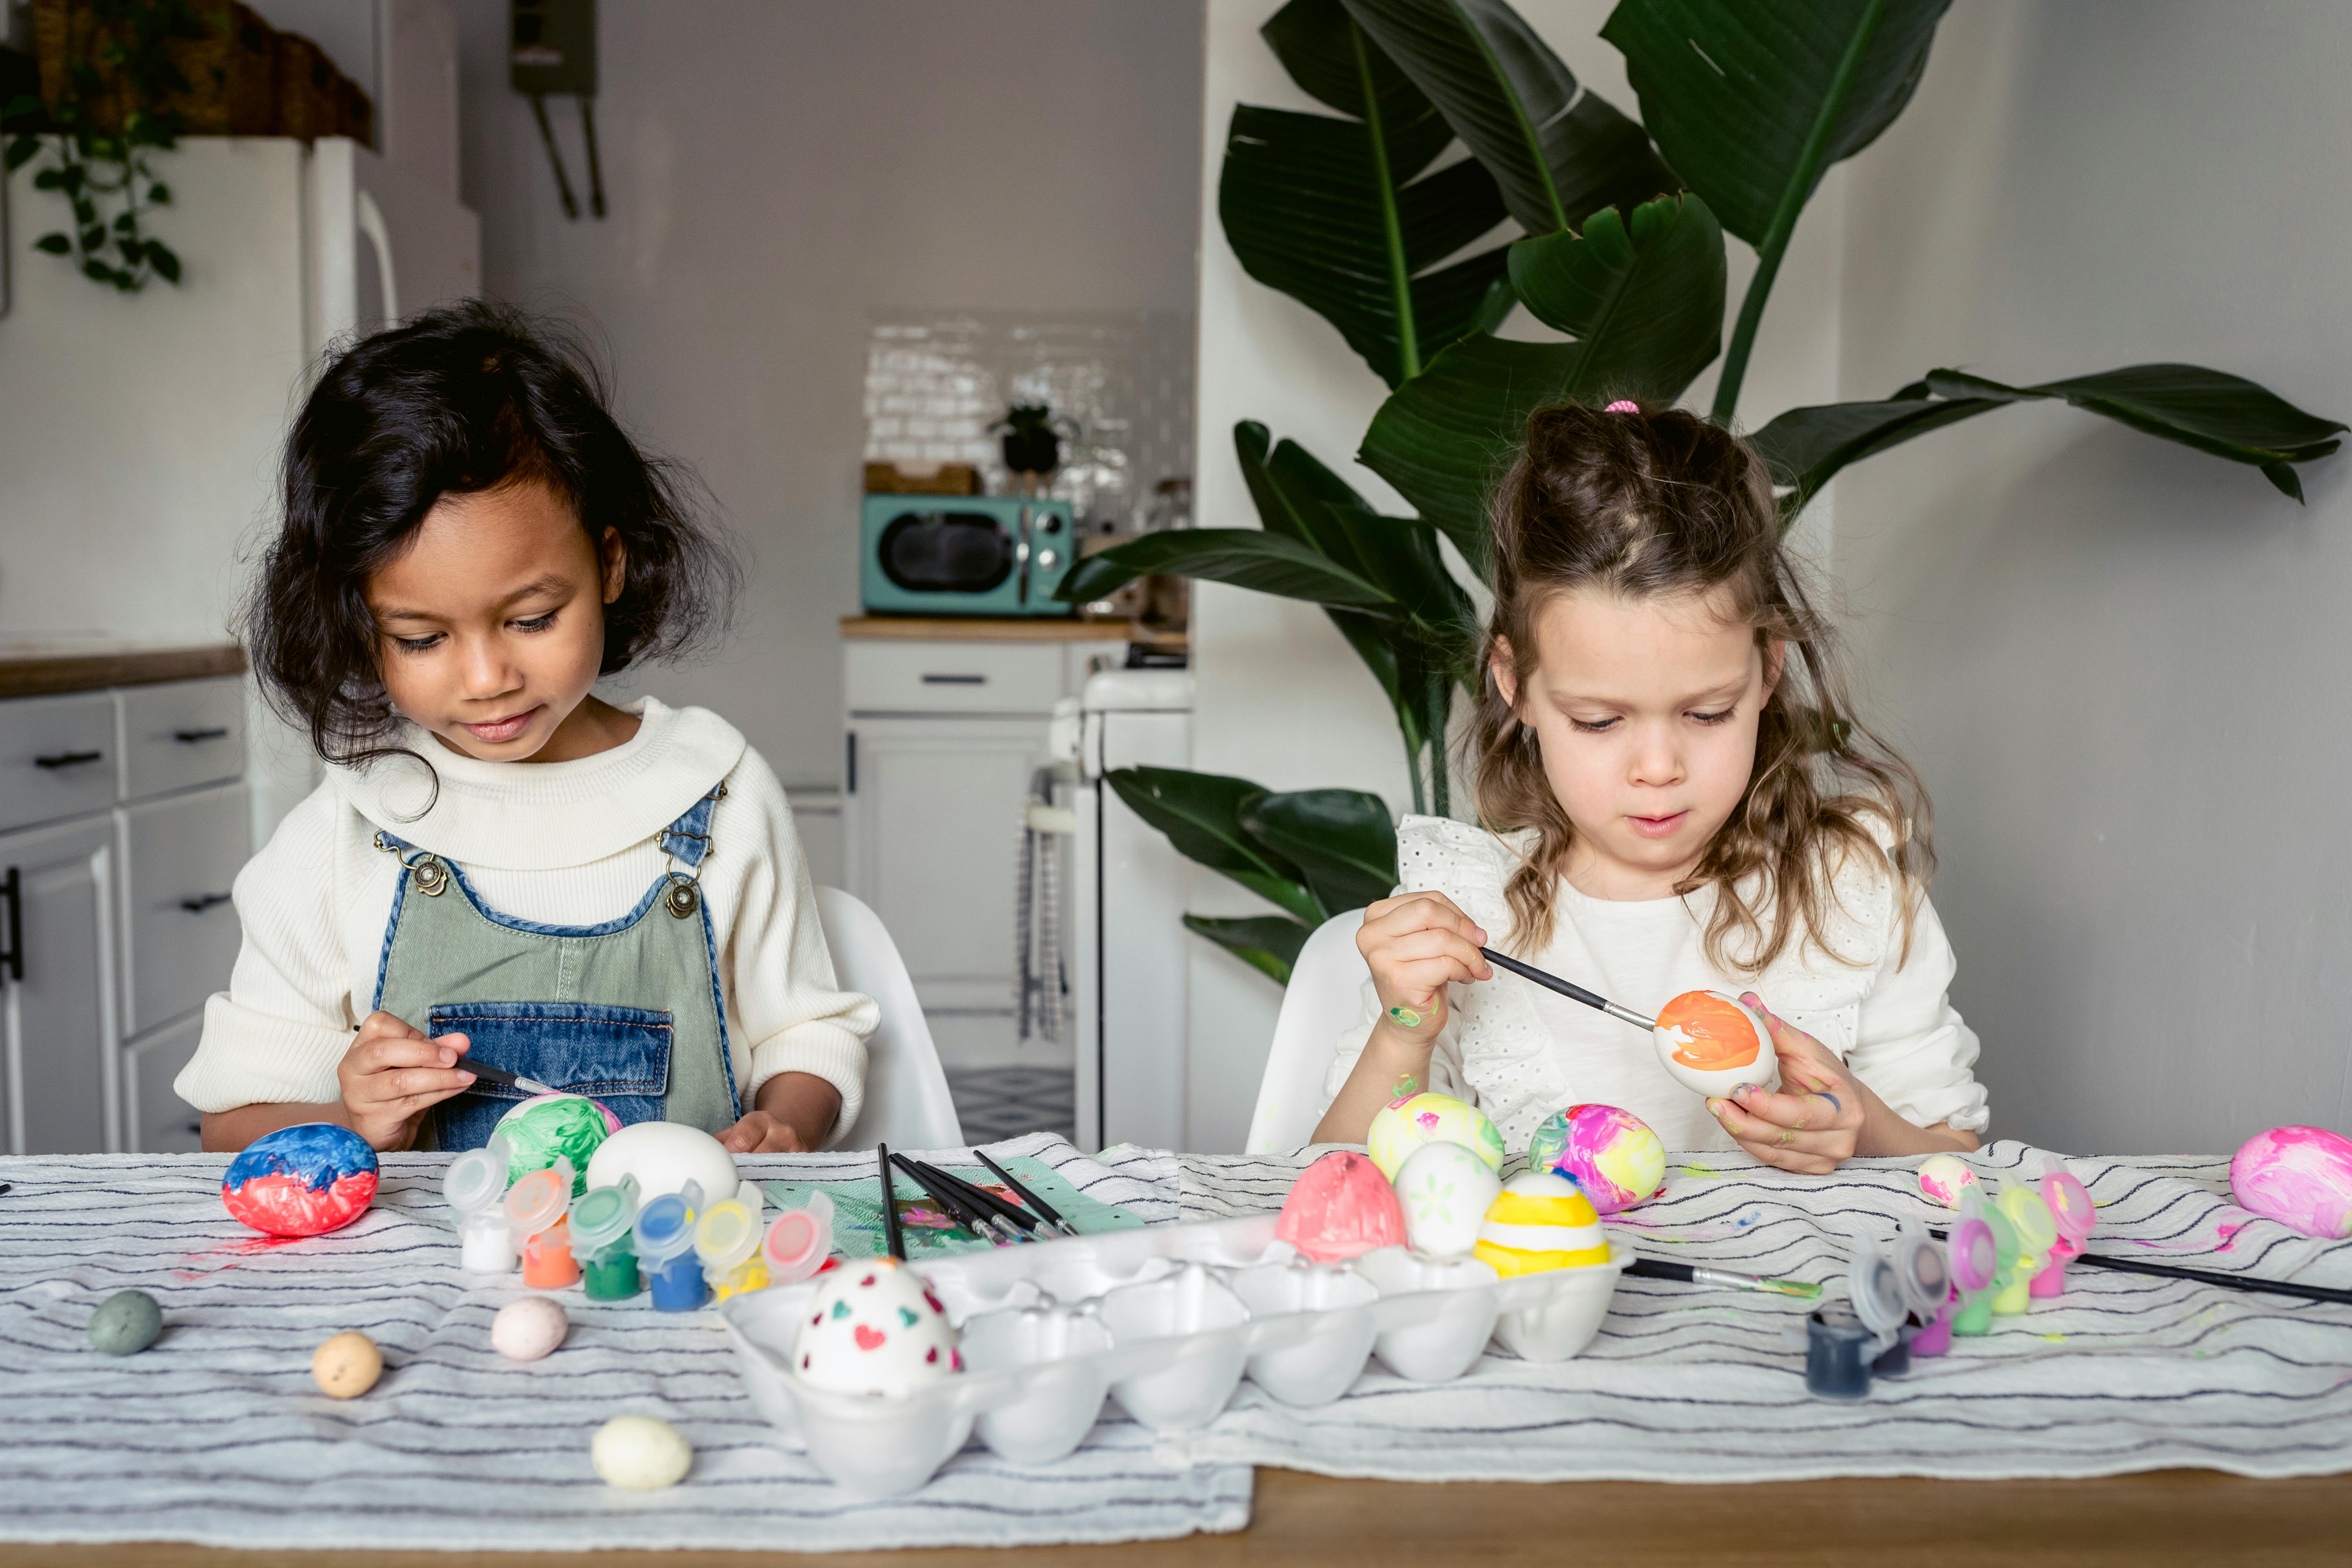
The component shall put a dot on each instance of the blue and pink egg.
(302, 1181)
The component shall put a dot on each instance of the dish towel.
(1692, 1383)
(217, 1433)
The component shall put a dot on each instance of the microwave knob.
(1053, 523)
(1047, 559)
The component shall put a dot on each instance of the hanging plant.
(98, 136)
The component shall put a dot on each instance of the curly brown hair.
(1655, 502)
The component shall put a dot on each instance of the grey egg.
(125, 1323)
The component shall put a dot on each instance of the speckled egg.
(125, 1323)
(876, 1328)
(548, 1127)
(1444, 1191)
(1943, 1177)
(302, 1181)
(529, 1328)
(664, 1156)
(1611, 1154)
(1712, 1043)
(347, 1365)
(1539, 1221)
(1403, 1125)
(639, 1454)
(1340, 1207)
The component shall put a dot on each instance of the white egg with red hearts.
(875, 1327)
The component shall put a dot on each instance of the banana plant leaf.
(1330, 211)
(1268, 943)
(1245, 557)
(1201, 815)
(1342, 838)
(2211, 410)
(1558, 151)
(1733, 91)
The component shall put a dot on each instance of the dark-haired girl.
(609, 900)
(1681, 799)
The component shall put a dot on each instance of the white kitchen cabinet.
(56, 986)
(159, 1122)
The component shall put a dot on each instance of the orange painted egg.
(1712, 1043)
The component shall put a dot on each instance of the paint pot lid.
(1975, 1260)
(540, 1199)
(602, 1215)
(1875, 1290)
(1921, 1270)
(665, 1226)
(2071, 1208)
(726, 1234)
(800, 1239)
(477, 1179)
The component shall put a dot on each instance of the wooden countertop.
(1006, 629)
(41, 668)
(2192, 1518)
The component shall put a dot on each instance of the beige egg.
(639, 1454)
(527, 1329)
(347, 1365)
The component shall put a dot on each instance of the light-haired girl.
(1676, 797)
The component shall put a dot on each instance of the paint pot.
(1984, 1257)
(602, 1244)
(664, 1237)
(1839, 1349)
(476, 1186)
(2075, 1214)
(2029, 1217)
(535, 1212)
(799, 1241)
(727, 1245)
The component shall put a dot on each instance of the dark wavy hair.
(1651, 502)
(456, 400)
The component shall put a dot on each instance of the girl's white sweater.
(560, 842)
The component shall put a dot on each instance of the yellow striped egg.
(1540, 1221)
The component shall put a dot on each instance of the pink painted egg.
(1611, 1154)
(302, 1181)
(1340, 1207)
(2299, 1176)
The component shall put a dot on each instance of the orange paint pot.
(1712, 1043)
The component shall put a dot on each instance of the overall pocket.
(618, 1056)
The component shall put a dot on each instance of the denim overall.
(627, 1012)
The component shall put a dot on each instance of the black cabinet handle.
(852, 764)
(955, 680)
(65, 759)
(11, 893)
(191, 737)
(202, 901)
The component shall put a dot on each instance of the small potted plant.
(1032, 439)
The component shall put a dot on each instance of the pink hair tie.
(1622, 405)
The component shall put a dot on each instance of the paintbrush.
(1691, 1274)
(500, 1075)
(897, 1242)
(1012, 1183)
(983, 1200)
(1567, 988)
(986, 1227)
(2203, 1276)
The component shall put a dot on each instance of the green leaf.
(99, 273)
(1201, 814)
(72, 176)
(2209, 410)
(93, 239)
(1245, 557)
(21, 150)
(48, 179)
(164, 260)
(1268, 943)
(124, 223)
(55, 244)
(161, 195)
(1341, 838)
(1559, 153)
(1643, 300)
(1731, 89)
(24, 106)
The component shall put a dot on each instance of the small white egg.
(1942, 1177)
(1445, 1190)
(528, 1328)
(639, 1454)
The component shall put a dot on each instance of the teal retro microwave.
(965, 555)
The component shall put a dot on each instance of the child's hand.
(760, 1133)
(1813, 1122)
(1417, 944)
(392, 1076)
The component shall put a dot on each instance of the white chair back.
(907, 1101)
(1325, 995)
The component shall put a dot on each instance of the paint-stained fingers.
(1811, 1150)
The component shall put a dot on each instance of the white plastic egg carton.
(1167, 1320)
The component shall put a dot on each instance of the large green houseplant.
(1745, 104)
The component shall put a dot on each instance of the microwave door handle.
(1021, 554)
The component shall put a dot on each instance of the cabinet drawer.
(180, 856)
(56, 757)
(160, 1121)
(952, 677)
(180, 733)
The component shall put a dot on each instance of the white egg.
(529, 1328)
(664, 1156)
(639, 1454)
(874, 1327)
(1711, 1043)
(1445, 1190)
(1942, 1177)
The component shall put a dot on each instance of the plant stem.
(1392, 228)
(1793, 198)
(1441, 706)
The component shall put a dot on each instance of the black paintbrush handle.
(1569, 989)
(2200, 1276)
(897, 1242)
(1052, 1217)
(981, 1198)
(956, 1209)
(1651, 1268)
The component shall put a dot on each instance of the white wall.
(2122, 665)
(777, 170)
(1282, 698)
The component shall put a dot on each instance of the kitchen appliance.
(1125, 940)
(965, 555)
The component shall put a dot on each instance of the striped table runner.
(2122, 1372)
(218, 1435)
